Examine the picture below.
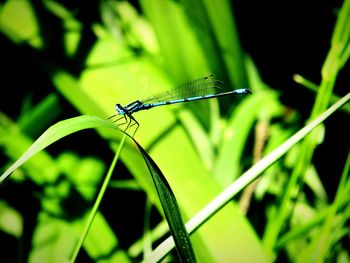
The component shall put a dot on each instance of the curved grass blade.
(171, 209)
(54, 133)
(222, 199)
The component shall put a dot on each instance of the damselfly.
(198, 89)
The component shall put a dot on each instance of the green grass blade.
(213, 22)
(171, 210)
(313, 87)
(56, 132)
(223, 25)
(39, 115)
(199, 137)
(226, 196)
(171, 28)
(97, 202)
(237, 132)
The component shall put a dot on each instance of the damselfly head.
(120, 109)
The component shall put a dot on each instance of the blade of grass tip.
(171, 209)
(226, 196)
(56, 132)
(97, 202)
(313, 87)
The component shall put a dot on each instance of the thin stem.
(97, 202)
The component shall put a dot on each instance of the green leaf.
(19, 23)
(11, 222)
(239, 126)
(172, 29)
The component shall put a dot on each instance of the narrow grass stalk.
(97, 202)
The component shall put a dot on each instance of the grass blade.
(54, 133)
(97, 202)
(171, 210)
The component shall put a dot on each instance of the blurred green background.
(61, 59)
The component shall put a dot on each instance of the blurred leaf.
(14, 143)
(172, 29)
(39, 115)
(11, 222)
(54, 239)
(199, 137)
(313, 180)
(239, 126)
(125, 184)
(50, 240)
(19, 23)
(84, 174)
(321, 245)
(213, 22)
(72, 27)
(101, 244)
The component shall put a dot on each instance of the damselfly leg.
(129, 121)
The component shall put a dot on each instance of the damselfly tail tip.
(243, 91)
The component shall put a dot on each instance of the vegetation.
(243, 170)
